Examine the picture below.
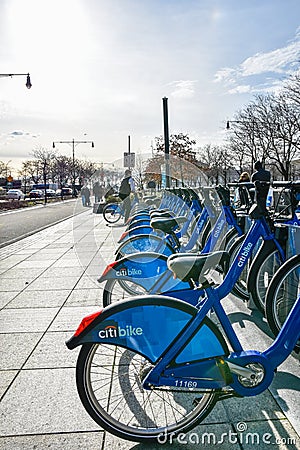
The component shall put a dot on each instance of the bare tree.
(268, 130)
(45, 159)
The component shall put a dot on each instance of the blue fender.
(145, 243)
(145, 269)
(137, 266)
(143, 229)
(148, 325)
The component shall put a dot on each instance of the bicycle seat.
(167, 225)
(187, 266)
(165, 214)
(159, 210)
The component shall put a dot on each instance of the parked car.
(36, 193)
(64, 192)
(50, 193)
(16, 194)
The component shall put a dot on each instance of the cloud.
(183, 88)
(17, 133)
(276, 62)
(241, 89)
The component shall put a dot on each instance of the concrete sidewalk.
(47, 285)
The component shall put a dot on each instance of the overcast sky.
(100, 68)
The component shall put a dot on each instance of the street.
(23, 222)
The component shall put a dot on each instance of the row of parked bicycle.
(157, 362)
(208, 222)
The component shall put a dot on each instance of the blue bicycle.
(112, 212)
(153, 366)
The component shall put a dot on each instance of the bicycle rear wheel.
(110, 385)
(282, 293)
(115, 290)
(262, 270)
(112, 212)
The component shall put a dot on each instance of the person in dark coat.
(260, 173)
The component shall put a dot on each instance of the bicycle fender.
(143, 229)
(136, 265)
(145, 243)
(148, 325)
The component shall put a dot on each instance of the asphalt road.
(23, 222)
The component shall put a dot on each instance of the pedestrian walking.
(85, 195)
(126, 188)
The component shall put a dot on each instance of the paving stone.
(85, 297)
(69, 318)
(6, 377)
(6, 297)
(16, 273)
(22, 343)
(40, 299)
(52, 352)
(14, 284)
(87, 282)
(58, 272)
(66, 441)
(50, 404)
(27, 320)
(48, 283)
(36, 264)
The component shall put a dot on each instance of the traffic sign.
(129, 159)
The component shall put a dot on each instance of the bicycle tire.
(112, 212)
(266, 262)
(109, 382)
(204, 235)
(240, 288)
(229, 239)
(115, 290)
(282, 294)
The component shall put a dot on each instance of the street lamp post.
(73, 143)
(28, 81)
(167, 142)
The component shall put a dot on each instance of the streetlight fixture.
(73, 143)
(235, 121)
(27, 75)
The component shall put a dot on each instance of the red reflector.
(123, 235)
(86, 321)
(108, 268)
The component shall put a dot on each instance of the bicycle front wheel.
(110, 385)
(112, 212)
(282, 293)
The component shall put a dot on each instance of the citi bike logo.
(124, 272)
(219, 229)
(113, 331)
(244, 254)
